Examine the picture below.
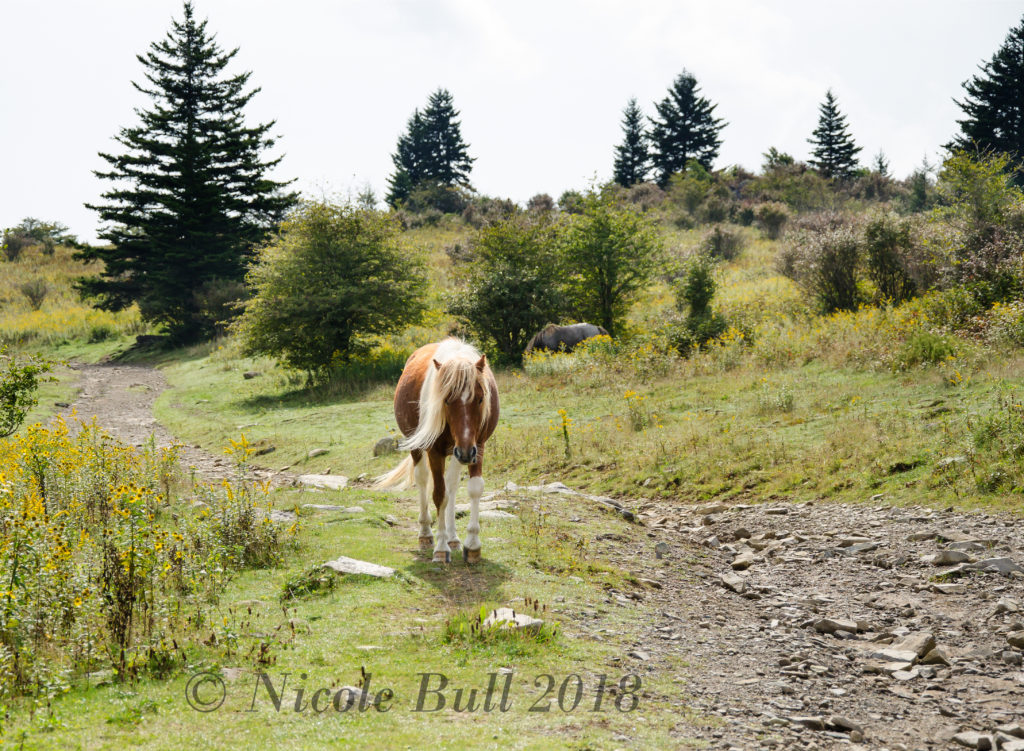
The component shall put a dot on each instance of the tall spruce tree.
(191, 195)
(632, 162)
(994, 105)
(834, 153)
(687, 129)
(431, 153)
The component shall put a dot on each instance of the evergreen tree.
(881, 164)
(191, 195)
(687, 129)
(994, 105)
(631, 157)
(835, 153)
(431, 152)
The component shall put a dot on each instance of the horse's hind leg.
(442, 554)
(421, 473)
(451, 487)
(475, 489)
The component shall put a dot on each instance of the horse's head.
(467, 402)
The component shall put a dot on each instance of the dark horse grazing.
(566, 338)
(446, 403)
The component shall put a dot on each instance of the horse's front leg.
(475, 489)
(421, 473)
(442, 553)
(451, 487)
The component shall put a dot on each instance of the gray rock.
(495, 515)
(1015, 639)
(967, 546)
(509, 618)
(327, 482)
(462, 509)
(1011, 728)
(639, 654)
(832, 625)
(919, 536)
(899, 656)
(920, 643)
(1007, 605)
(661, 550)
(972, 739)
(391, 520)
(317, 452)
(844, 723)
(282, 517)
(743, 561)
(862, 547)
(949, 589)
(1011, 658)
(845, 542)
(946, 558)
(250, 374)
(1004, 566)
(734, 582)
(345, 565)
(814, 723)
(386, 446)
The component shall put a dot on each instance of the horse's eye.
(479, 400)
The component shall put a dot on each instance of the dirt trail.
(121, 398)
(765, 669)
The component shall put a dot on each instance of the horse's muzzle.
(466, 457)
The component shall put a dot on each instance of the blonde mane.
(455, 379)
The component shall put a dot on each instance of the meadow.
(903, 405)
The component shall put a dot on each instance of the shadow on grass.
(460, 584)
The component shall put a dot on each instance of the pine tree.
(835, 153)
(431, 152)
(631, 158)
(191, 195)
(994, 105)
(880, 164)
(687, 129)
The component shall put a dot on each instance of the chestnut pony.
(446, 404)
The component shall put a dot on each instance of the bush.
(926, 347)
(436, 199)
(483, 210)
(890, 246)
(334, 277)
(771, 218)
(217, 302)
(541, 203)
(694, 293)
(571, 202)
(35, 291)
(722, 242)
(609, 252)
(823, 255)
(511, 289)
(18, 384)
(15, 242)
(645, 196)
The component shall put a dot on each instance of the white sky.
(540, 85)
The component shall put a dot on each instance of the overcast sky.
(540, 85)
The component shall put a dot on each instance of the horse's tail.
(401, 477)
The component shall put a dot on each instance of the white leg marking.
(475, 488)
(422, 476)
(451, 487)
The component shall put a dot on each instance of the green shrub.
(823, 255)
(722, 242)
(694, 293)
(333, 278)
(511, 288)
(889, 245)
(35, 291)
(771, 218)
(101, 332)
(926, 347)
(18, 384)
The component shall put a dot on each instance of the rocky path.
(804, 625)
(821, 626)
(121, 398)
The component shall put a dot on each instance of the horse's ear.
(481, 363)
(437, 364)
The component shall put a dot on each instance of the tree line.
(191, 207)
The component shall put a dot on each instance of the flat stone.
(905, 675)
(844, 723)
(462, 509)
(345, 565)
(887, 668)
(496, 515)
(509, 618)
(967, 546)
(282, 517)
(317, 452)
(639, 654)
(946, 558)
(936, 656)
(972, 739)
(920, 643)
(1015, 639)
(327, 482)
(322, 507)
(1007, 605)
(831, 625)
(814, 723)
(1011, 728)
(919, 536)
(949, 589)
(896, 655)
(734, 582)
(385, 446)
(862, 547)
(1004, 566)
(743, 561)
(845, 542)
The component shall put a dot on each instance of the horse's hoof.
(470, 556)
(426, 542)
(442, 556)
(454, 545)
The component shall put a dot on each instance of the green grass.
(395, 630)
